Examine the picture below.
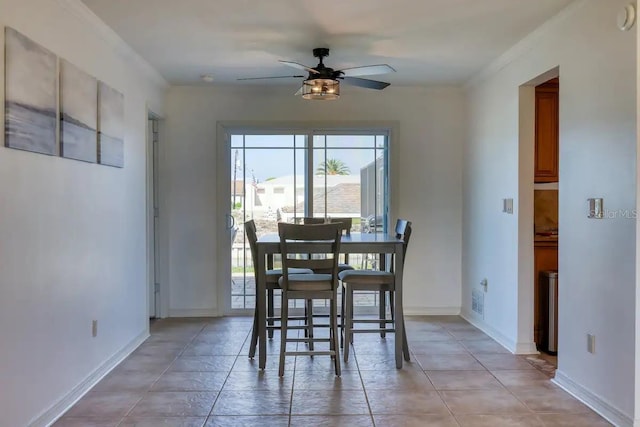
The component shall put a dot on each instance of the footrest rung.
(309, 353)
(370, 331)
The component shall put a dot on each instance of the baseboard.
(595, 402)
(431, 311)
(509, 344)
(194, 312)
(63, 405)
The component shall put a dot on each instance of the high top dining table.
(359, 243)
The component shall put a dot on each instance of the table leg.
(399, 321)
(261, 308)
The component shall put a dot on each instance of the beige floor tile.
(415, 420)
(243, 363)
(396, 379)
(449, 362)
(321, 363)
(483, 346)
(463, 380)
(326, 380)
(525, 378)
(190, 381)
(528, 420)
(248, 421)
(544, 400)
(134, 381)
(329, 402)
(213, 349)
(86, 422)
(421, 335)
(503, 362)
(143, 362)
(163, 422)
(374, 362)
(484, 402)
(259, 380)
(331, 421)
(104, 404)
(405, 402)
(437, 347)
(202, 363)
(174, 404)
(155, 348)
(573, 420)
(204, 355)
(253, 402)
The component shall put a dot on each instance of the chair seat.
(344, 267)
(274, 275)
(374, 279)
(309, 282)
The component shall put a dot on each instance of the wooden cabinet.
(545, 258)
(546, 129)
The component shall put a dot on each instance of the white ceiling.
(426, 41)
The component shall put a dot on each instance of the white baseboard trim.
(193, 312)
(431, 311)
(595, 402)
(63, 405)
(509, 344)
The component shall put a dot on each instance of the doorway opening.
(545, 208)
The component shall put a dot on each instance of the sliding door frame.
(222, 221)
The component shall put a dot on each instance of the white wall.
(428, 173)
(72, 234)
(597, 64)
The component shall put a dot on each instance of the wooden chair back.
(299, 244)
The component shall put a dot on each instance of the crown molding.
(121, 48)
(523, 46)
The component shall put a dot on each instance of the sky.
(271, 156)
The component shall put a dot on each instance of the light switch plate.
(507, 206)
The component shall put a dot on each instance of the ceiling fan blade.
(274, 77)
(300, 66)
(366, 83)
(367, 70)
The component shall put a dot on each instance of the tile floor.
(195, 372)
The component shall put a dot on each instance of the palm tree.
(333, 167)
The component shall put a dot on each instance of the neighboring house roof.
(341, 199)
(332, 180)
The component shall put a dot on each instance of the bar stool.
(372, 280)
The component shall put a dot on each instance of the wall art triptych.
(39, 89)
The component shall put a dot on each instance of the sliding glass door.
(287, 176)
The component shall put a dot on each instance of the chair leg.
(310, 323)
(383, 311)
(342, 307)
(254, 336)
(284, 319)
(405, 343)
(348, 322)
(391, 304)
(334, 330)
(270, 312)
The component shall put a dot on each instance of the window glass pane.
(269, 141)
(351, 141)
(237, 141)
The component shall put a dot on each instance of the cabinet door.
(546, 160)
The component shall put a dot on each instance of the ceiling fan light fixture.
(321, 89)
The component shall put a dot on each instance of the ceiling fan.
(323, 82)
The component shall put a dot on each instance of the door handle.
(231, 222)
